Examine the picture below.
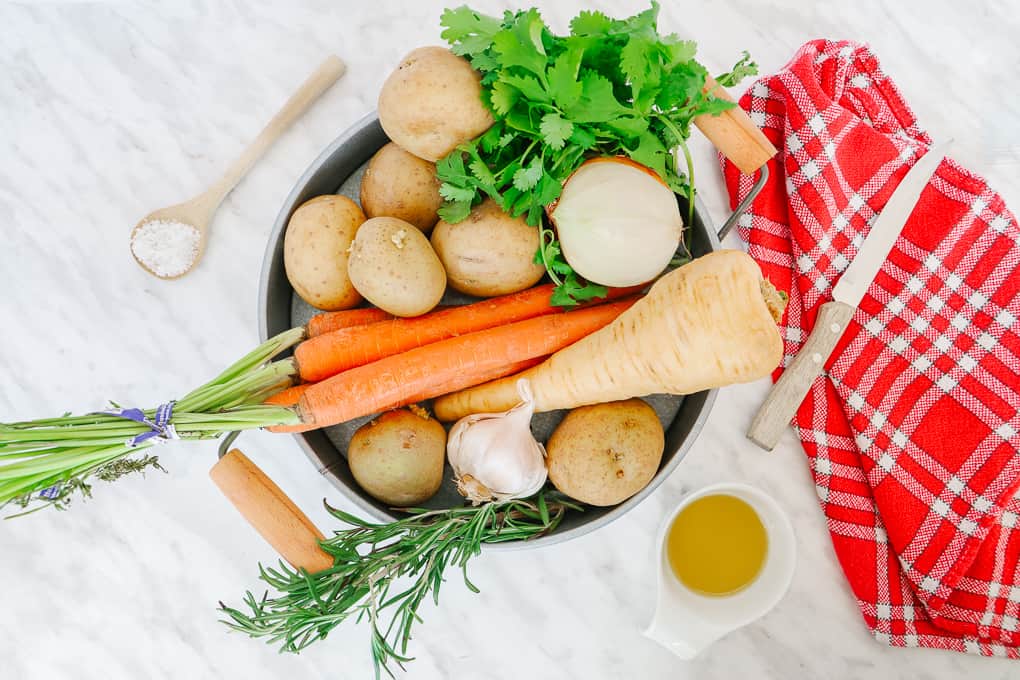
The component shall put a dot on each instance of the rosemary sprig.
(383, 572)
(81, 486)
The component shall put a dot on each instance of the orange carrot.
(292, 395)
(289, 396)
(331, 321)
(441, 367)
(326, 355)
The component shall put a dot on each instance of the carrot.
(332, 321)
(326, 355)
(451, 364)
(292, 395)
(707, 324)
(289, 396)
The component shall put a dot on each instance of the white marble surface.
(108, 110)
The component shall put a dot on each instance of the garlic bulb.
(494, 455)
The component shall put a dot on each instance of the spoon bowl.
(194, 213)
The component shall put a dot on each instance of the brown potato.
(399, 184)
(432, 102)
(606, 453)
(315, 251)
(488, 253)
(398, 457)
(392, 264)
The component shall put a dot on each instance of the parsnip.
(707, 324)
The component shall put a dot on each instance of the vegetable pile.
(611, 87)
(515, 156)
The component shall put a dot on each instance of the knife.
(782, 403)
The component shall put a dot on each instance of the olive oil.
(717, 545)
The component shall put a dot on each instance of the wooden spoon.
(199, 211)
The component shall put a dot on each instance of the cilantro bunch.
(610, 87)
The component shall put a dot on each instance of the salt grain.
(166, 247)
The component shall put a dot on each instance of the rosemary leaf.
(408, 557)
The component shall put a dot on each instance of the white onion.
(617, 223)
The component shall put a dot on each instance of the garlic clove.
(494, 456)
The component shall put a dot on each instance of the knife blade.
(786, 395)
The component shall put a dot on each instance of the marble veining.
(110, 109)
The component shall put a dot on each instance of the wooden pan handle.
(735, 134)
(268, 509)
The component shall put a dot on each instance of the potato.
(398, 457)
(432, 102)
(392, 264)
(315, 251)
(399, 184)
(606, 453)
(488, 253)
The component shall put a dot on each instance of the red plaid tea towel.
(912, 434)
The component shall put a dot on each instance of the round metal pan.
(338, 170)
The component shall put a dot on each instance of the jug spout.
(682, 632)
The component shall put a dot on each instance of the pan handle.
(735, 134)
(270, 511)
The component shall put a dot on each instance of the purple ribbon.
(159, 424)
(51, 492)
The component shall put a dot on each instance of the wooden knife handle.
(735, 134)
(270, 511)
(782, 402)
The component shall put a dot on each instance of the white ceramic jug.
(686, 622)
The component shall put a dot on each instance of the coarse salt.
(166, 247)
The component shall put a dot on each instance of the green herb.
(63, 454)
(610, 87)
(383, 573)
(80, 486)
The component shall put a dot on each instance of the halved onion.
(617, 222)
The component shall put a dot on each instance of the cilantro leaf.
(742, 69)
(548, 190)
(455, 212)
(481, 172)
(680, 85)
(575, 290)
(503, 96)
(450, 168)
(527, 86)
(582, 137)
(597, 102)
(627, 126)
(555, 130)
(590, 22)
(521, 45)
(455, 193)
(652, 153)
(467, 31)
(635, 60)
(713, 106)
(527, 177)
(562, 77)
(489, 140)
(677, 50)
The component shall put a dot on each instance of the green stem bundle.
(44, 462)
